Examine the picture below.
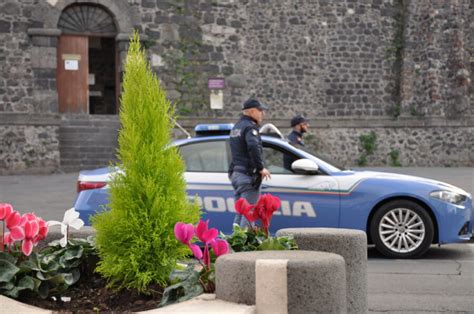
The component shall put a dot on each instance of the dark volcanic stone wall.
(400, 68)
(324, 58)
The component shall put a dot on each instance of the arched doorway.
(87, 77)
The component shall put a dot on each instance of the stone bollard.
(283, 281)
(351, 245)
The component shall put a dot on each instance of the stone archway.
(45, 40)
(87, 79)
(120, 10)
(101, 129)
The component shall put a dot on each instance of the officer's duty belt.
(242, 169)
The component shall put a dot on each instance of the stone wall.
(28, 149)
(426, 147)
(324, 59)
(16, 85)
(437, 59)
(369, 62)
(407, 142)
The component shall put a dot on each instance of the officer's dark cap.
(297, 120)
(253, 103)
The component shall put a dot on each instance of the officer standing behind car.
(300, 126)
(247, 169)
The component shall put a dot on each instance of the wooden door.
(72, 74)
(118, 78)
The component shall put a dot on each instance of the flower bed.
(90, 293)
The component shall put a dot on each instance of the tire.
(407, 236)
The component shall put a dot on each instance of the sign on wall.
(217, 99)
(71, 61)
(215, 83)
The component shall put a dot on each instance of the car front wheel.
(402, 229)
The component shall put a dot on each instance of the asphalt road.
(441, 282)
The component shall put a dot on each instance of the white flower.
(71, 219)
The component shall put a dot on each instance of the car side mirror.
(305, 166)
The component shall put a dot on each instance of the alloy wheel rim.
(402, 230)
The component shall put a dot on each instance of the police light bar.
(213, 129)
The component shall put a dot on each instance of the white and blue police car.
(402, 215)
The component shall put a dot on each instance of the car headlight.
(449, 196)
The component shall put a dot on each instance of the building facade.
(384, 82)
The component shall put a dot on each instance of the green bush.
(369, 145)
(368, 142)
(135, 239)
(249, 239)
(394, 158)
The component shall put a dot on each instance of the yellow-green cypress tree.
(135, 239)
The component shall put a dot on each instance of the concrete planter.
(205, 303)
(283, 281)
(351, 245)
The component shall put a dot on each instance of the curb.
(204, 303)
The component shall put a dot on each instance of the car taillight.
(83, 185)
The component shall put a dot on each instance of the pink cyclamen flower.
(204, 233)
(13, 219)
(184, 232)
(31, 231)
(207, 257)
(17, 233)
(5, 210)
(196, 250)
(220, 247)
(43, 230)
(7, 239)
(243, 207)
(13, 223)
(266, 206)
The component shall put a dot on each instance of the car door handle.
(264, 186)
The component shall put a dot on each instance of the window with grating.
(86, 19)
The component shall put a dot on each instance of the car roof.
(268, 139)
(326, 167)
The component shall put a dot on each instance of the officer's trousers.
(243, 188)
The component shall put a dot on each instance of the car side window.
(205, 156)
(277, 160)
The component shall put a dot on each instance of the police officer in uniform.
(247, 169)
(300, 126)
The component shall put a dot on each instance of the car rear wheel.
(402, 229)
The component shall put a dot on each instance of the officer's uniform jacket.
(246, 146)
(296, 138)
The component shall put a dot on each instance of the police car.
(402, 215)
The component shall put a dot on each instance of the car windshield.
(323, 159)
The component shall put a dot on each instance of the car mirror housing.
(305, 166)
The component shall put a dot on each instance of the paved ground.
(46, 195)
(443, 281)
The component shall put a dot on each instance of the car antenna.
(181, 128)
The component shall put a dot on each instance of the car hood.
(357, 176)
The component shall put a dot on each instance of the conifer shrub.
(135, 239)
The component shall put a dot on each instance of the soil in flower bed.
(90, 294)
